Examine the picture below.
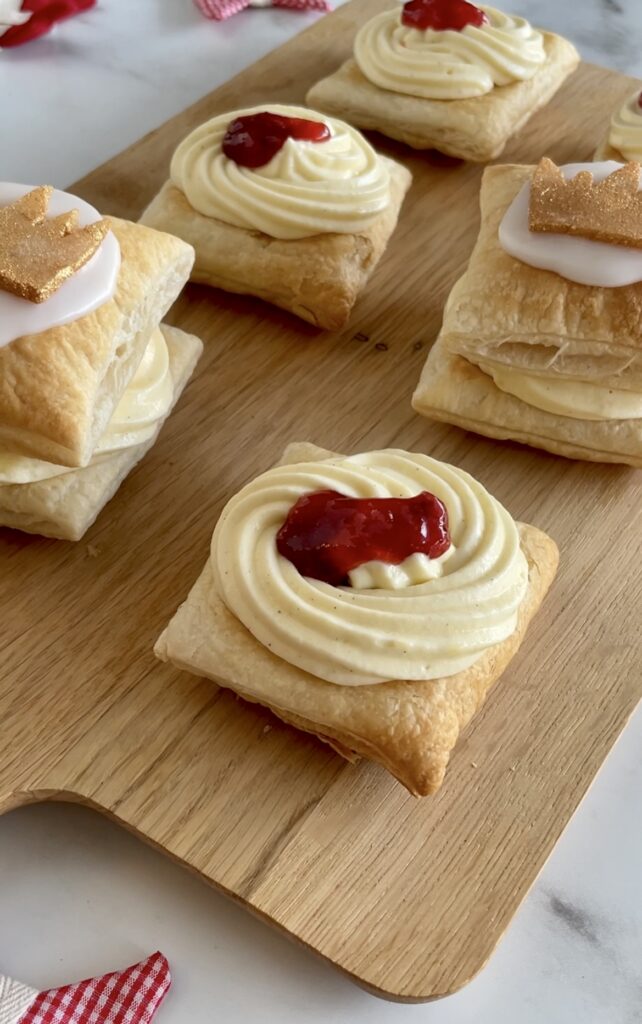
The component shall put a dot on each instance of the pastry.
(447, 75)
(56, 501)
(370, 643)
(542, 339)
(623, 140)
(295, 211)
(65, 362)
(87, 377)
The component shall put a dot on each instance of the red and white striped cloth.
(131, 996)
(219, 10)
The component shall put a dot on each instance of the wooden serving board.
(408, 897)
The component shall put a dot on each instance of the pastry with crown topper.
(285, 204)
(88, 373)
(446, 75)
(371, 599)
(542, 337)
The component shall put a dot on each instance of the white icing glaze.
(92, 286)
(577, 259)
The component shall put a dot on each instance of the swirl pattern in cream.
(308, 188)
(358, 637)
(147, 399)
(625, 133)
(448, 65)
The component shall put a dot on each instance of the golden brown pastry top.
(53, 384)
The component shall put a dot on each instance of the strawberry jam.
(440, 15)
(253, 139)
(327, 534)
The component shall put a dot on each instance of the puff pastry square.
(474, 129)
(409, 727)
(504, 312)
(59, 388)
(317, 278)
(65, 506)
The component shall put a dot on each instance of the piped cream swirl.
(307, 188)
(625, 133)
(448, 65)
(147, 399)
(357, 637)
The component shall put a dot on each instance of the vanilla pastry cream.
(307, 188)
(597, 264)
(90, 287)
(414, 569)
(354, 636)
(448, 65)
(625, 133)
(577, 399)
(146, 401)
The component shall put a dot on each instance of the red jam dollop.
(253, 139)
(327, 534)
(440, 15)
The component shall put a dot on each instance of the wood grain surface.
(409, 897)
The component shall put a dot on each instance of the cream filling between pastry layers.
(448, 65)
(577, 399)
(307, 188)
(356, 637)
(625, 133)
(146, 400)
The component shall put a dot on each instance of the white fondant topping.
(90, 287)
(577, 259)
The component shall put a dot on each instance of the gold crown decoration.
(38, 254)
(604, 211)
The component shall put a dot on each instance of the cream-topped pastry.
(447, 75)
(352, 637)
(391, 673)
(146, 401)
(448, 64)
(88, 289)
(285, 204)
(542, 337)
(625, 131)
(88, 374)
(337, 184)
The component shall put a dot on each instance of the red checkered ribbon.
(131, 996)
(219, 10)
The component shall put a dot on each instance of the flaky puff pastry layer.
(452, 390)
(409, 727)
(318, 278)
(59, 388)
(507, 313)
(65, 506)
(474, 129)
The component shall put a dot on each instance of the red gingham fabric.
(131, 996)
(219, 10)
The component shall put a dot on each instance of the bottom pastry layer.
(453, 390)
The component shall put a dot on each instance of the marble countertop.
(80, 896)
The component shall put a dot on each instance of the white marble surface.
(79, 896)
